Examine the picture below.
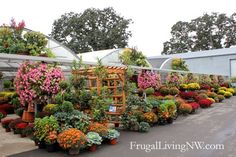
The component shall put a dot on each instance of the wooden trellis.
(115, 82)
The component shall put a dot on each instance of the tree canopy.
(210, 31)
(92, 30)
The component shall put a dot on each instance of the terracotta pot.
(93, 148)
(113, 141)
(28, 116)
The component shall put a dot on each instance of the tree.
(92, 30)
(203, 33)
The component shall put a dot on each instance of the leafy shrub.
(19, 111)
(50, 108)
(149, 91)
(144, 127)
(64, 85)
(173, 91)
(7, 84)
(58, 98)
(43, 126)
(66, 106)
(150, 117)
(179, 64)
(35, 42)
(84, 98)
(164, 90)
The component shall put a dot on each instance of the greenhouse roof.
(199, 54)
(101, 54)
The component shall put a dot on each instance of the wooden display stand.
(115, 83)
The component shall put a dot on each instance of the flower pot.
(93, 148)
(117, 125)
(113, 141)
(28, 116)
(22, 135)
(8, 129)
(41, 145)
(169, 120)
(51, 147)
(73, 151)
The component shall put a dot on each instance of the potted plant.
(144, 127)
(102, 130)
(5, 124)
(42, 128)
(71, 140)
(20, 127)
(51, 141)
(13, 124)
(112, 135)
(185, 108)
(29, 130)
(93, 140)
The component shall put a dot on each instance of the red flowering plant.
(148, 79)
(5, 122)
(20, 127)
(194, 105)
(37, 82)
(204, 103)
(188, 95)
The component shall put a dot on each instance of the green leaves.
(210, 31)
(92, 30)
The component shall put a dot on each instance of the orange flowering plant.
(71, 138)
(51, 138)
(101, 129)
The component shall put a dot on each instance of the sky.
(152, 19)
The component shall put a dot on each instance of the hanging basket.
(28, 116)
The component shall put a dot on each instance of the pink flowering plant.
(148, 79)
(173, 79)
(37, 82)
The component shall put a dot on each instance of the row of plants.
(151, 101)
